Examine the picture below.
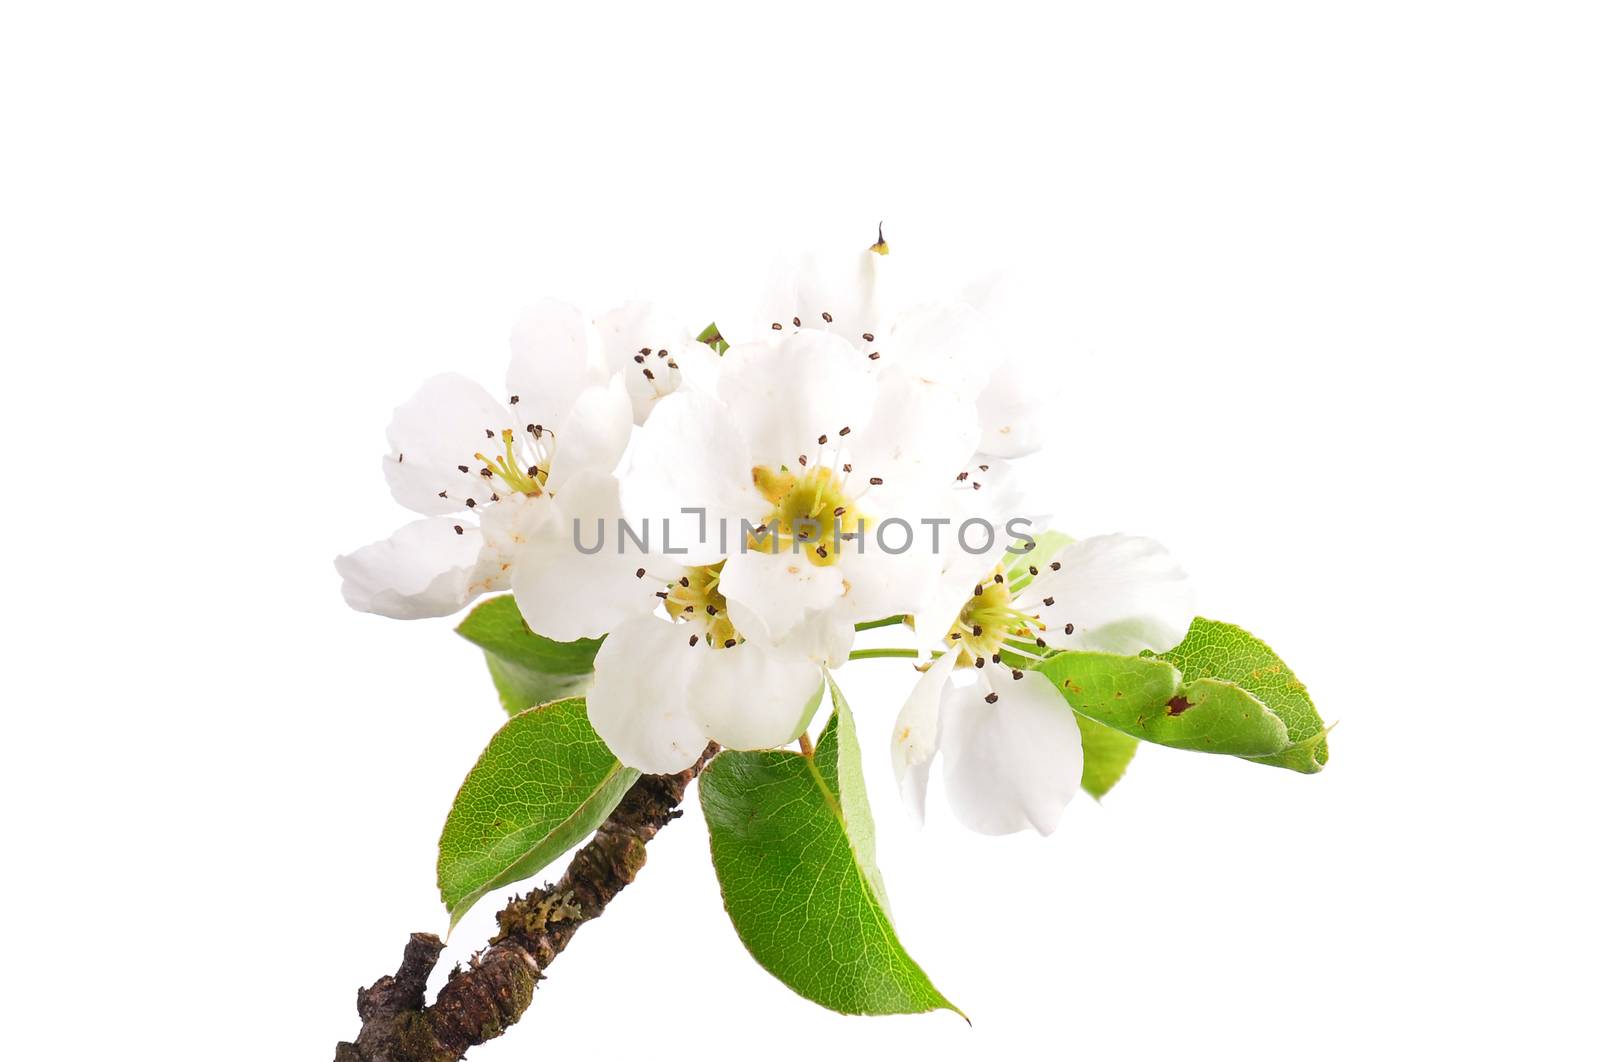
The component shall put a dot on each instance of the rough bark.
(480, 1001)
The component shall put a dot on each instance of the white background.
(1320, 282)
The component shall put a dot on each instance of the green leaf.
(1221, 690)
(1106, 754)
(1149, 699)
(838, 758)
(527, 668)
(792, 843)
(1223, 651)
(543, 783)
(710, 336)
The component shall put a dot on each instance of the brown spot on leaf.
(1178, 705)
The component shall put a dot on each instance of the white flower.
(666, 685)
(984, 343)
(802, 459)
(653, 354)
(516, 466)
(1012, 754)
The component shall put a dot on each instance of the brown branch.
(479, 1002)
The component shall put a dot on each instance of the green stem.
(884, 654)
(887, 621)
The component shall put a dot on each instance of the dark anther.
(472, 503)
(1067, 629)
(639, 574)
(1049, 601)
(1016, 674)
(463, 468)
(992, 698)
(459, 531)
(515, 399)
(867, 336)
(730, 643)
(826, 316)
(876, 481)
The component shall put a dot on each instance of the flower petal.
(771, 594)
(877, 583)
(1011, 764)
(825, 638)
(753, 696)
(1121, 593)
(434, 434)
(944, 342)
(785, 392)
(566, 593)
(1014, 409)
(916, 735)
(550, 363)
(639, 701)
(919, 436)
(426, 568)
(688, 455)
(593, 435)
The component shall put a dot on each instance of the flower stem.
(884, 654)
(805, 745)
(887, 621)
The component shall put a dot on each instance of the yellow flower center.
(810, 513)
(508, 468)
(696, 596)
(989, 622)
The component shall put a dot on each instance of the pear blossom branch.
(479, 1002)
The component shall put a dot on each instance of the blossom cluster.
(822, 405)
